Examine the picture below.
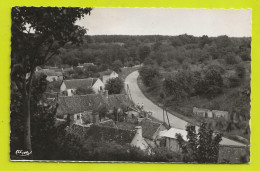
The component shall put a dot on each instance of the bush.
(240, 71)
(213, 83)
(147, 74)
(233, 81)
(232, 59)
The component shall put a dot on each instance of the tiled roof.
(126, 125)
(108, 123)
(107, 72)
(88, 64)
(78, 104)
(201, 109)
(149, 128)
(59, 73)
(101, 133)
(48, 72)
(77, 83)
(119, 100)
(80, 130)
(171, 133)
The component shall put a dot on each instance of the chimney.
(138, 131)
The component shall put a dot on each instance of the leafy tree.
(43, 120)
(180, 86)
(240, 71)
(117, 65)
(246, 54)
(204, 40)
(222, 41)
(149, 61)
(147, 74)
(201, 147)
(144, 52)
(231, 58)
(37, 35)
(176, 42)
(212, 83)
(234, 81)
(114, 85)
(156, 45)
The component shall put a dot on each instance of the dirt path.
(139, 97)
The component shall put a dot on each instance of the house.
(220, 114)
(206, 113)
(229, 150)
(118, 101)
(108, 123)
(106, 75)
(80, 108)
(85, 65)
(110, 134)
(51, 75)
(171, 141)
(151, 129)
(70, 86)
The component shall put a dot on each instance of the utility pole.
(163, 116)
(167, 118)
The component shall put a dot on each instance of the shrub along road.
(139, 97)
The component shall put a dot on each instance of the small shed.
(220, 114)
(206, 113)
(171, 140)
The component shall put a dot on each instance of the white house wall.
(105, 78)
(113, 75)
(97, 85)
(52, 78)
(172, 144)
(63, 87)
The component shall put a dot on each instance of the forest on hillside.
(167, 51)
(210, 73)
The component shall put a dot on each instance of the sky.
(167, 21)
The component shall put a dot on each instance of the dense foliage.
(149, 74)
(37, 36)
(114, 85)
(206, 72)
(201, 147)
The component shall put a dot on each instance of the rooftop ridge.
(79, 79)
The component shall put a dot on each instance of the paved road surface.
(138, 97)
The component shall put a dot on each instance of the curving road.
(139, 97)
